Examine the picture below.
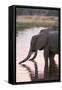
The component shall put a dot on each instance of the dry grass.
(35, 21)
(35, 18)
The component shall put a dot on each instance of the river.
(23, 39)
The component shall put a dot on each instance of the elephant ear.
(33, 42)
(42, 40)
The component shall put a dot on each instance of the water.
(26, 72)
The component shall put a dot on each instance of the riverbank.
(35, 21)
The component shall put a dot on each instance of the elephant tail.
(29, 54)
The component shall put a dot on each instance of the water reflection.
(33, 76)
(54, 73)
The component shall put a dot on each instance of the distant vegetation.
(27, 18)
(42, 12)
(35, 21)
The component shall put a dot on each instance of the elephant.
(47, 40)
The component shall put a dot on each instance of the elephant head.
(38, 42)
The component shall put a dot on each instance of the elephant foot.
(46, 76)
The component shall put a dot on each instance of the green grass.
(23, 25)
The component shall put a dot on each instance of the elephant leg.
(34, 56)
(46, 64)
(52, 67)
(52, 61)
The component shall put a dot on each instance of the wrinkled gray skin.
(46, 40)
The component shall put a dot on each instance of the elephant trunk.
(29, 54)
